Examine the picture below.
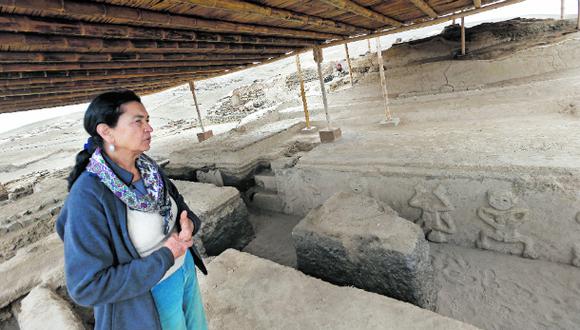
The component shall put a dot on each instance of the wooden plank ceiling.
(60, 52)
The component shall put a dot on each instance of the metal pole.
(192, 88)
(578, 26)
(302, 92)
(383, 79)
(349, 65)
(317, 52)
(463, 35)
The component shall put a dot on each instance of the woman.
(127, 231)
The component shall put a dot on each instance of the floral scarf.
(156, 199)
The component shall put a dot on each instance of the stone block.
(204, 135)
(356, 240)
(223, 215)
(44, 309)
(329, 135)
(248, 292)
(266, 181)
(267, 201)
(38, 263)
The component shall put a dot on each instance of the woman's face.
(133, 132)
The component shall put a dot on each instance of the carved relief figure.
(435, 219)
(504, 219)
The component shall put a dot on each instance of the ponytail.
(82, 160)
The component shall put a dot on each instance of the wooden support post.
(369, 44)
(349, 65)
(203, 135)
(389, 120)
(463, 35)
(329, 134)
(303, 93)
(317, 51)
(578, 25)
(562, 9)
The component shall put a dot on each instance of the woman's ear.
(105, 132)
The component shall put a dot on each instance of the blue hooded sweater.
(102, 267)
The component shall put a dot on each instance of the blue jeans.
(178, 299)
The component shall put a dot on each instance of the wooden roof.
(59, 52)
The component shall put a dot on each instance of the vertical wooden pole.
(369, 44)
(578, 25)
(562, 9)
(383, 79)
(192, 88)
(463, 35)
(302, 92)
(317, 51)
(453, 21)
(349, 65)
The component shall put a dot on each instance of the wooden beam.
(359, 10)
(24, 24)
(114, 72)
(349, 64)
(40, 78)
(477, 3)
(14, 106)
(112, 14)
(38, 57)
(318, 58)
(192, 89)
(414, 26)
(463, 36)
(424, 7)
(64, 95)
(302, 92)
(38, 43)
(242, 7)
(383, 32)
(383, 79)
(72, 66)
(75, 87)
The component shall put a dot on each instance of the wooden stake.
(317, 52)
(578, 26)
(463, 35)
(383, 79)
(349, 65)
(302, 92)
(192, 88)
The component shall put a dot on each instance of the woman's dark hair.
(104, 109)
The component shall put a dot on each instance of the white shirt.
(146, 233)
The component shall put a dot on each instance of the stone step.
(267, 181)
(241, 287)
(267, 201)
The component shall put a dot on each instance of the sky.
(529, 8)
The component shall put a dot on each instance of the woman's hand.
(186, 233)
(177, 246)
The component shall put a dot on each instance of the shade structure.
(60, 52)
